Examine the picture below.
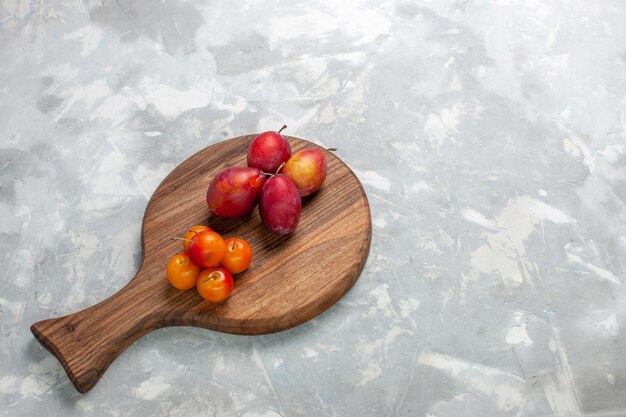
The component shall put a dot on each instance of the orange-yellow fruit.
(307, 170)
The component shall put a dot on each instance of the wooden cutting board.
(292, 279)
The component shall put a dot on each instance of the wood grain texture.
(292, 279)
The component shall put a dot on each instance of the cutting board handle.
(87, 341)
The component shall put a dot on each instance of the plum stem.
(269, 174)
(211, 277)
(331, 149)
(234, 241)
(183, 239)
(282, 128)
(279, 168)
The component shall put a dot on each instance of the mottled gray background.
(489, 136)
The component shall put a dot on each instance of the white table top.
(489, 136)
